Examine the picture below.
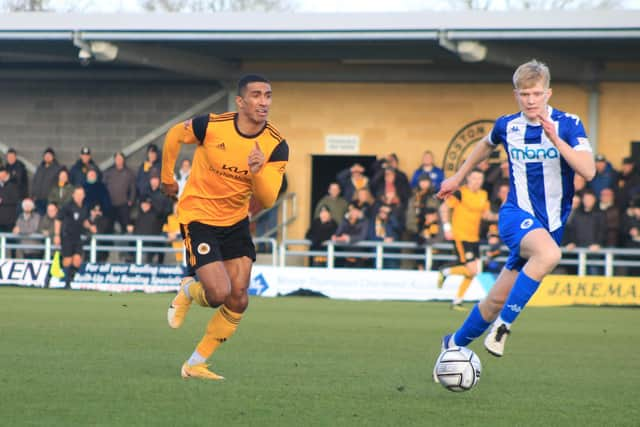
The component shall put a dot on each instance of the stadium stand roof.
(581, 46)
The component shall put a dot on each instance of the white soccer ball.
(458, 369)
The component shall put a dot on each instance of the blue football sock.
(472, 328)
(522, 291)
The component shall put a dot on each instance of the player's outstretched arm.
(480, 151)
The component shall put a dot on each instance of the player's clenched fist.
(256, 159)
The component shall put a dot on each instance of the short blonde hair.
(530, 73)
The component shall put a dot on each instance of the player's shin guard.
(522, 291)
(220, 328)
(473, 327)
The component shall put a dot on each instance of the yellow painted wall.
(409, 118)
(619, 120)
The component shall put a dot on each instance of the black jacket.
(9, 200)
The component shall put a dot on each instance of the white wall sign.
(342, 144)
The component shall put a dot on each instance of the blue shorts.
(513, 225)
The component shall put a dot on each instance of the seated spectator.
(97, 194)
(182, 175)
(120, 181)
(351, 180)
(612, 214)
(384, 227)
(365, 202)
(17, 172)
(9, 201)
(491, 265)
(427, 167)
(148, 222)
(495, 177)
(606, 175)
(47, 222)
(334, 202)
(27, 223)
(350, 231)
(101, 225)
(172, 230)
(429, 227)
(587, 227)
(78, 172)
(61, 193)
(44, 180)
(151, 165)
(321, 230)
(628, 187)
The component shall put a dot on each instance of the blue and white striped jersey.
(541, 181)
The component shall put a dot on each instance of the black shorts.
(207, 243)
(70, 246)
(467, 251)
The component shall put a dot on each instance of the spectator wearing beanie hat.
(45, 178)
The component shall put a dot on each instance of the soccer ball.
(458, 369)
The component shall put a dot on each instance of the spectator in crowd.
(151, 166)
(606, 175)
(429, 227)
(491, 265)
(44, 180)
(17, 172)
(172, 229)
(495, 177)
(9, 201)
(391, 180)
(631, 231)
(322, 228)
(162, 204)
(628, 184)
(612, 216)
(427, 167)
(71, 225)
(334, 202)
(421, 200)
(120, 182)
(96, 194)
(27, 223)
(182, 175)
(365, 202)
(82, 166)
(350, 231)
(351, 180)
(46, 226)
(148, 222)
(384, 227)
(61, 192)
(102, 225)
(491, 219)
(587, 227)
(378, 174)
(398, 210)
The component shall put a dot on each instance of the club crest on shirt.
(527, 223)
(203, 248)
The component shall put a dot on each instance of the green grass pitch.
(87, 358)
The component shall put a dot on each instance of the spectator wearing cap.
(26, 224)
(120, 181)
(9, 201)
(628, 187)
(351, 180)
(81, 167)
(427, 167)
(17, 172)
(44, 180)
(151, 165)
(606, 175)
(61, 193)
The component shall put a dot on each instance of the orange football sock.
(221, 327)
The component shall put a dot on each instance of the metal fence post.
(92, 250)
(47, 248)
(138, 251)
(608, 264)
(428, 257)
(3, 247)
(284, 219)
(582, 263)
(331, 252)
(379, 256)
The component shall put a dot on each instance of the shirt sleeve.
(574, 133)
(495, 137)
(192, 131)
(267, 182)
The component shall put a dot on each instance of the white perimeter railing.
(283, 254)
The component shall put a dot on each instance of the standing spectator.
(47, 222)
(151, 166)
(17, 172)
(27, 223)
(423, 198)
(495, 177)
(61, 193)
(9, 200)
(70, 226)
(350, 231)
(148, 222)
(321, 229)
(384, 227)
(587, 227)
(628, 184)
(391, 180)
(44, 180)
(427, 167)
(162, 204)
(351, 180)
(379, 169)
(120, 181)
(96, 193)
(336, 205)
(102, 225)
(82, 166)
(183, 175)
(606, 175)
(612, 216)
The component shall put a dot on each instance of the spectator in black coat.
(628, 184)
(82, 166)
(587, 227)
(350, 231)
(151, 166)
(9, 201)
(148, 222)
(321, 230)
(96, 193)
(162, 204)
(120, 181)
(45, 178)
(607, 205)
(17, 172)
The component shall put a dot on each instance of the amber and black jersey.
(468, 209)
(221, 184)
